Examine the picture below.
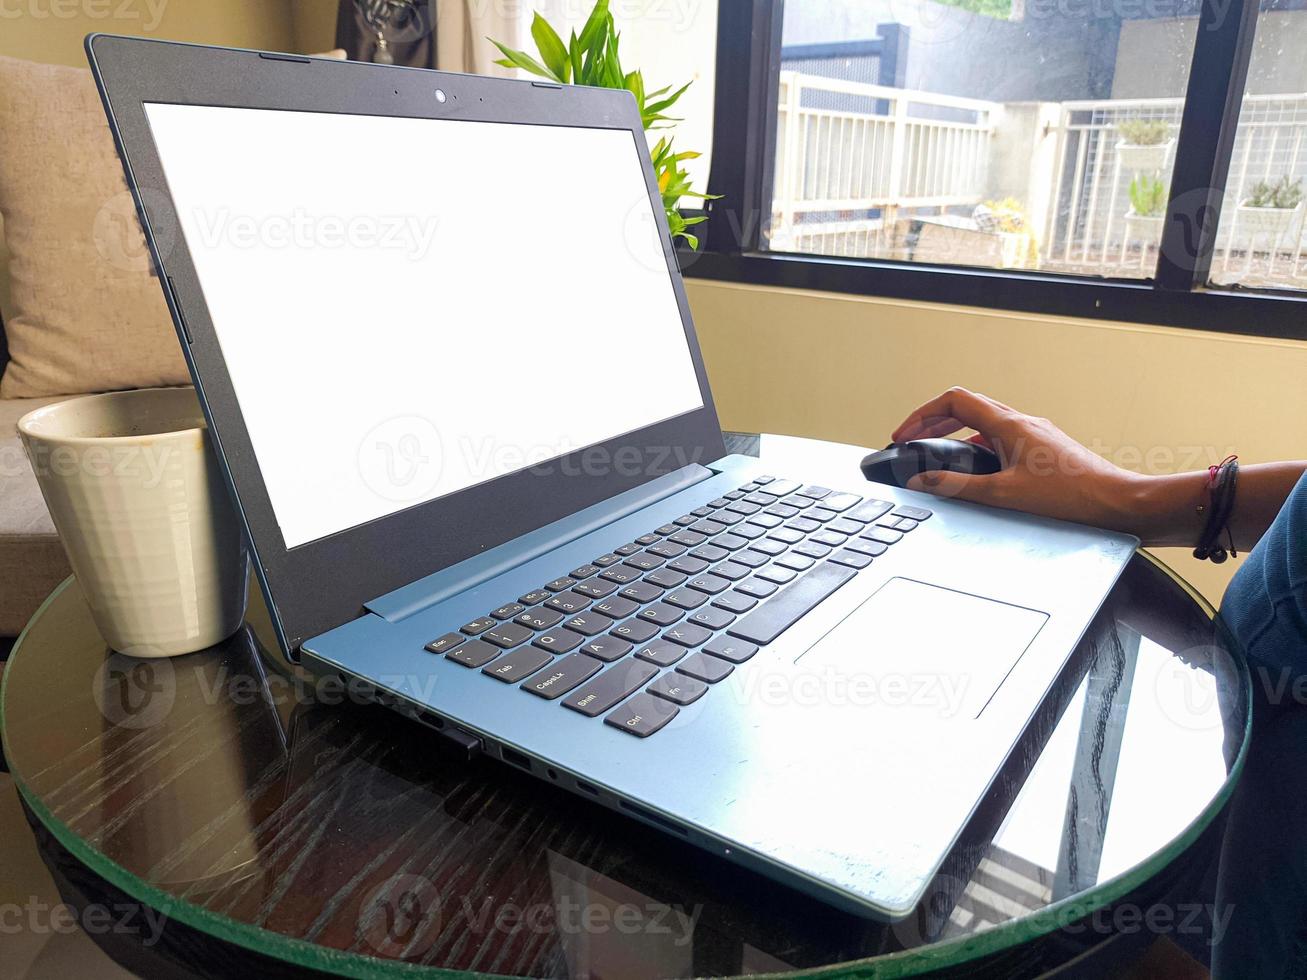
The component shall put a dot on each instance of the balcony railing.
(860, 168)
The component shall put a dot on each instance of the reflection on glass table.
(271, 819)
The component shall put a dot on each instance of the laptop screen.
(411, 307)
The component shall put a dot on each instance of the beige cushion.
(32, 560)
(85, 314)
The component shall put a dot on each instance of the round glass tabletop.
(265, 816)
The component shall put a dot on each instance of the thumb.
(960, 486)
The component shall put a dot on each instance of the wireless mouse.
(899, 462)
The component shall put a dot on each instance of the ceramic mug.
(140, 505)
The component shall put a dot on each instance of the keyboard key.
(774, 573)
(905, 524)
(783, 510)
(728, 517)
(700, 667)
(568, 602)
(820, 514)
(603, 561)
(508, 611)
(799, 502)
(596, 588)
(531, 598)
(560, 584)
(708, 528)
(518, 664)
(764, 480)
(811, 549)
(702, 512)
(687, 634)
(768, 547)
(445, 643)
(751, 558)
(585, 571)
(662, 653)
(734, 602)
(685, 599)
(869, 510)
(713, 619)
(736, 494)
(736, 651)
(815, 492)
(507, 635)
(840, 501)
(765, 520)
(667, 549)
(660, 613)
(563, 675)
(732, 570)
(804, 525)
(783, 488)
(665, 530)
(798, 563)
(830, 538)
(608, 648)
(589, 624)
(865, 547)
(750, 531)
(913, 513)
(786, 534)
(635, 630)
(853, 559)
(678, 688)
(710, 553)
(664, 578)
(478, 653)
(597, 696)
(690, 539)
(687, 565)
(756, 588)
(710, 584)
(642, 715)
(773, 618)
(616, 607)
(843, 525)
(744, 507)
(645, 561)
(883, 534)
(621, 574)
(647, 539)
(627, 550)
(719, 502)
(685, 520)
(559, 640)
(731, 542)
(539, 618)
(641, 592)
(477, 626)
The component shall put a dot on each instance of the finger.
(932, 429)
(972, 410)
(978, 488)
(980, 439)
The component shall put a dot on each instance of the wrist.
(1163, 511)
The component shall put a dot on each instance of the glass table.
(259, 821)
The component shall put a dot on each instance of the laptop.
(440, 336)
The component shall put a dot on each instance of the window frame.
(1178, 295)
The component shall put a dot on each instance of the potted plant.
(1271, 208)
(1147, 208)
(591, 58)
(1145, 144)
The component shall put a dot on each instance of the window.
(1056, 156)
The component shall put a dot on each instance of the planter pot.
(1145, 226)
(1141, 158)
(1267, 221)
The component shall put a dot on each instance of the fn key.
(643, 715)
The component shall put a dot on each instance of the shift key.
(563, 675)
(615, 683)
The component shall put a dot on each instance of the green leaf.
(575, 53)
(595, 23)
(551, 48)
(520, 59)
(670, 101)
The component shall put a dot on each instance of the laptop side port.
(653, 818)
(515, 758)
(585, 787)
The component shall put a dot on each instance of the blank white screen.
(409, 307)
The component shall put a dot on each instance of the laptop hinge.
(439, 586)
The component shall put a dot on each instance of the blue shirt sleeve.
(1265, 605)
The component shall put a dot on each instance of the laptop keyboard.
(649, 628)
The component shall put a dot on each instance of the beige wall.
(1151, 398)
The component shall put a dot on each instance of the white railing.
(1087, 227)
(845, 149)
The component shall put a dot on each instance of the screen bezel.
(321, 584)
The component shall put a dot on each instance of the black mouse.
(899, 462)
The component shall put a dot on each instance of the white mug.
(136, 495)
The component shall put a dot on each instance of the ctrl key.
(643, 715)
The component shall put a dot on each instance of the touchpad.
(913, 640)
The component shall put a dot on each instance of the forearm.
(1164, 510)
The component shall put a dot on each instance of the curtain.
(463, 27)
(402, 32)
